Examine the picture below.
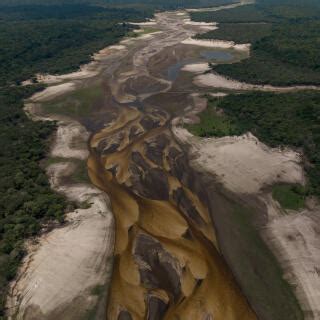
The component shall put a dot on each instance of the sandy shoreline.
(220, 44)
(214, 80)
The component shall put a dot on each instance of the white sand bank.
(53, 91)
(196, 67)
(148, 23)
(215, 80)
(217, 44)
(209, 26)
(52, 79)
(218, 94)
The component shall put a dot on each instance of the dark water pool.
(174, 70)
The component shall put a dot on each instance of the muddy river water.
(168, 263)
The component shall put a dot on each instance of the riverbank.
(78, 253)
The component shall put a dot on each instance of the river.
(167, 259)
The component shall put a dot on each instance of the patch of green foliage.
(295, 44)
(292, 10)
(26, 199)
(77, 104)
(238, 32)
(289, 196)
(98, 290)
(213, 123)
(289, 119)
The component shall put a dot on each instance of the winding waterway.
(167, 260)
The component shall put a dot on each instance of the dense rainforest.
(57, 39)
(284, 41)
(146, 4)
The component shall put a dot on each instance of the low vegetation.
(213, 123)
(259, 271)
(289, 196)
(78, 104)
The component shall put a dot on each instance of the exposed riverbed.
(173, 254)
